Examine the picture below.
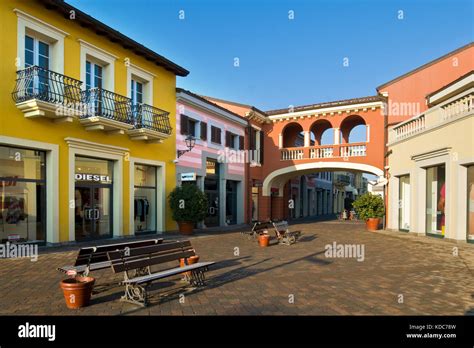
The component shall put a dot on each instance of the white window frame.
(32, 26)
(97, 55)
(145, 78)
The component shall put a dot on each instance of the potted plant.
(77, 291)
(370, 208)
(189, 206)
(264, 239)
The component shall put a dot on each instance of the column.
(280, 141)
(336, 136)
(367, 129)
(307, 138)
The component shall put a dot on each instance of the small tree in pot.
(370, 208)
(189, 205)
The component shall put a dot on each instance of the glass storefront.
(22, 195)
(231, 202)
(435, 200)
(93, 198)
(404, 203)
(470, 203)
(211, 190)
(144, 202)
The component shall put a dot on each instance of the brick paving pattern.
(263, 281)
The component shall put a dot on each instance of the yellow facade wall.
(14, 124)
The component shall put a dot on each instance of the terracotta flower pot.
(185, 227)
(77, 291)
(372, 224)
(263, 240)
(190, 261)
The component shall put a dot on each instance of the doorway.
(93, 212)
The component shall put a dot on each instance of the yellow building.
(86, 144)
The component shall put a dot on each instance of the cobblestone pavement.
(264, 281)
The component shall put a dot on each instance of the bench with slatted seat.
(136, 266)
(283, 233)
(95, 258)
(258, 228)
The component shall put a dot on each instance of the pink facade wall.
(193, 159)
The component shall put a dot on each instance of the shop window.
(254, 204)
(436, 200)
(22, 195)
(404, 203)
(470, 203)
(144, 202)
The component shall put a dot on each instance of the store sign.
(188, 176)
(92, 177)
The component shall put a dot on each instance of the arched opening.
(293, 135)
(353, 130)
(322, 132)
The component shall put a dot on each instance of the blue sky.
(290, 62)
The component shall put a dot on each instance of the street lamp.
(190, 142)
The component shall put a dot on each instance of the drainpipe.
(385, 156)
(247, 177)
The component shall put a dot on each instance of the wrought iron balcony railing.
(38, 83)
(103, 103)
(149, 117)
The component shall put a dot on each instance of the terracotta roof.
(360, 100)
(250, 107)
(113, 35)
(205, 100)
(447, 55)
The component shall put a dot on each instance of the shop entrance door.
(93, 211)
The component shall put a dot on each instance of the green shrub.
(188, 204)
(369, 206)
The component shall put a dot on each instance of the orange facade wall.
(407, 94)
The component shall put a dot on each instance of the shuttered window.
(215, 135)
(203, 131)
(241, 142)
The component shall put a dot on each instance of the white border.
(54, 36)
(52, 182)
(160, 192)
(96, 150)
(104, 58)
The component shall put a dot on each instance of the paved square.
(278, 280)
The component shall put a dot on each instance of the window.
(470, 203)
(215, 135)
(137, 92)
(97, 67)
(404, 203)
(22, 195)
(231, 140)
(189, 126)
(139, 85)
(39, 43)
(435, 200)
(93, 75)
(144, 199)
(36, 53)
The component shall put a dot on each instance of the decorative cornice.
(89, 145)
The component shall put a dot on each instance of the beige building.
(431, 166)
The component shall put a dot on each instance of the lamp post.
(190, 142)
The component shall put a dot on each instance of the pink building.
(217, 163)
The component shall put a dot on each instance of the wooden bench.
(283, 233)
(136, 267)
(95, 258)
(258, 228)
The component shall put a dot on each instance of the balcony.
(150, 124)
(43, 93)
(106, 111)
(343, 151)
(440, 115)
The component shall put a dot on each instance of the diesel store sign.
(92, 177)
